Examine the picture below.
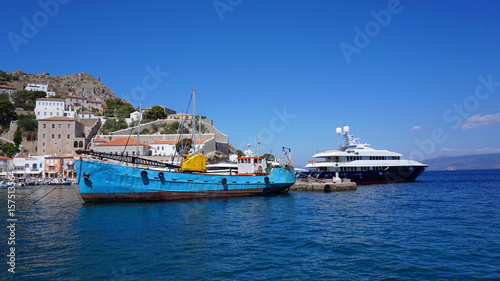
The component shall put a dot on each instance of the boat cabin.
(251, 166)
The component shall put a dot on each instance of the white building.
(49, 107)
(86, 114)
(7, 89)
(167, 148)
(6, 166)
(26, 166)
(40, 87)
(134, 116)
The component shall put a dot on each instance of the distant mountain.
(79, 84)
(465, 162)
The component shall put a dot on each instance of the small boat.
(451, 168)
(362, 164)
(131, 178)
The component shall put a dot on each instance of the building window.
(59, 126)
(43, 136)
(43, 144)
(53, 125)
(53, 136)
(69, 126)
(44, 126)
(59, 136)
(68, 136)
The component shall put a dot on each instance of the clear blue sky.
(417, 77)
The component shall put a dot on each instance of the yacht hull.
(388, 175)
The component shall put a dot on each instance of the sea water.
(445, 226)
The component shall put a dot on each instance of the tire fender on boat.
(224, 181)
(144, 174)
(266, 179)
(160, 175)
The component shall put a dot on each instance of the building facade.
(60, 135)
(27, 166)
(124, 146)
(7, 89)
(60, 166)
(74, 103)
(40, 87)
(6, 167)
(49, 107)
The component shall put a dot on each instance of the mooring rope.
(34, 190)
(46, 194)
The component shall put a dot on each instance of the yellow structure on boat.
(194, 163)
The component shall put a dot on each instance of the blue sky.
(417, 77)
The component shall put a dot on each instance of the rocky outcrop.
(80, 84)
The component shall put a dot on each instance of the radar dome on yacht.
(338, 131)
(346, 129)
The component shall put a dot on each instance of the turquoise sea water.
(445, 226)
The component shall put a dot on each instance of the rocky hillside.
(80, 84)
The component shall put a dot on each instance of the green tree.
(156, 112)
(27, 99)
(8, 149)
(268, 156)
(4, 96)
(240, 153)
(186, 144)
(119, 108)
(27, 122)
(7, 113)
(18, 137)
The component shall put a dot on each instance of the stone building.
(60, 135)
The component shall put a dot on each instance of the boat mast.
(193, 125)
(139, 128)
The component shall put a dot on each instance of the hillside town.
(81, 119)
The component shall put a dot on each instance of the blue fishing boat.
(108, 177)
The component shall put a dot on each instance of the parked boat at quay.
(107, 177)
(362, 164)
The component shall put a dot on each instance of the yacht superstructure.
(363, 164)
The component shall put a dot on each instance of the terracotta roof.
(3, 157)
(58, 118)
(22, 156)
(87, 112)
(59, 156)
(7, 87)
(174, 142)
(77, 97)
(50, 99)
(99, 139)
(122, 142)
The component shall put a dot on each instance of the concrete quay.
(323, 185)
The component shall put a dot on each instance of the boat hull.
(389, 175)
(104, 181)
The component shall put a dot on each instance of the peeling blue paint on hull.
(105, 181)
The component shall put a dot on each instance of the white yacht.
(362, 164)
